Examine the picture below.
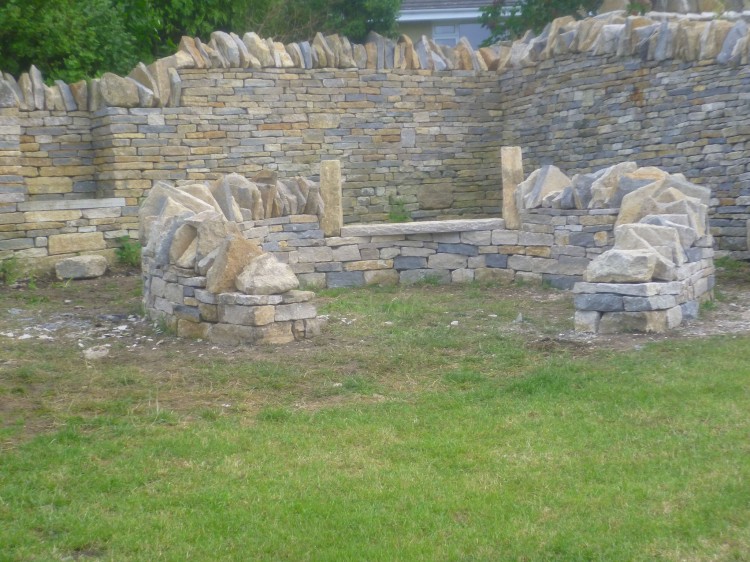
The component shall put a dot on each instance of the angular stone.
(622, 266)
(227, 47)
(539, 184)
(212, 232)
(604, 190)
(143, 76)
(81, 267)
(184, 237)
(234, 254)
(259, 49)
(117, 91)
(266, 275)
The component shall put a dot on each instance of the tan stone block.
(193, 330)
(381, 277)
(365, 265)
(539, 251)
(45, 216)
(49, 185)
(72, 243)
(494, 275)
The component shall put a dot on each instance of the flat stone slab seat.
(431, 227)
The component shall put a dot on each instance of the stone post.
(512, 164)
(330, 190)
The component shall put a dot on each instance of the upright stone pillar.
(512, 164)
(330, 191)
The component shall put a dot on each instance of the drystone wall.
(413, 133)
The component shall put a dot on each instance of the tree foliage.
(512, 22)
(74, 39)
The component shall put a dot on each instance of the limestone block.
(234, 254)
(646, 322)
(446, 261)
(540, 183)
(202, 192)
(184, 237)
(663, 239)
(117, 91)
(604, 189)
(680, 223)
(494, 275)
(622, 266)
(156, 201)
(76, 242)
(662, 198)
(259, 49)
(295, 296)
(657, 302)
(227, 47)
(142, 75)
(713, 37)
(433, 196)
(266, 275)
(381, 277)
(587, 321)
(602, 302)
(297, 311)
(81, 267)
(212, 231)
(246, 315)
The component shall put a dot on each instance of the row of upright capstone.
(654, 36)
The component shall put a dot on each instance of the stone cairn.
(661, 265)
(655, 36)
(206, 280)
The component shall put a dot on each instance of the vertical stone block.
(512, 173)
(330, 191)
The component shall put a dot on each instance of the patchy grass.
(425, 424)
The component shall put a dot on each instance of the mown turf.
(398, 436)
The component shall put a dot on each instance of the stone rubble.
(205, 279)
(661, 265)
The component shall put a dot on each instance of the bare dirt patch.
(103, 312)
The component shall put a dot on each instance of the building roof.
(443, 4)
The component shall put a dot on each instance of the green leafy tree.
(66, 39)
(511, 22)
(74, 39)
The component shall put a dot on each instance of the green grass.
(395, 437)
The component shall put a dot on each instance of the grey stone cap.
(430, 227)
(68, 204)
(630, 289)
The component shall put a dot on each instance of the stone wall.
(583, 113)
(551, 246)
(411, 131)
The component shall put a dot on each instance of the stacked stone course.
(418, 127)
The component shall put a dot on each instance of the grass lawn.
(423, 425)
